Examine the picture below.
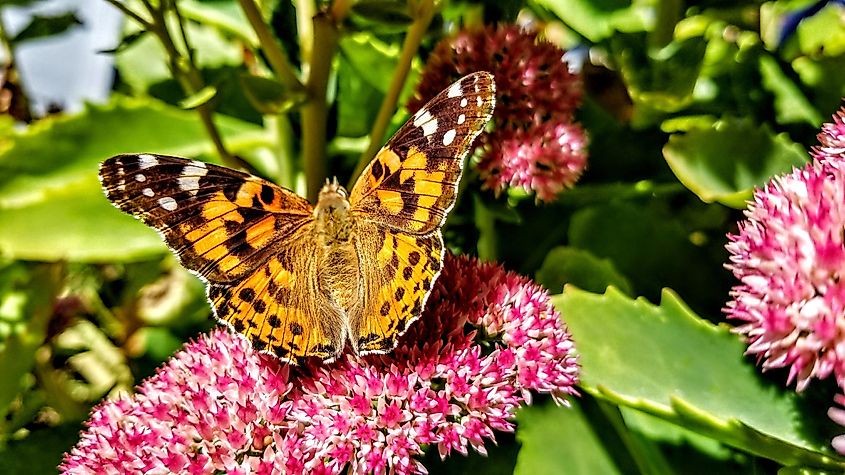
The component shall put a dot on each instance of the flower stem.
(306, 10)
(315, 112)
(276, 56)
(422, 19)
(146, 24)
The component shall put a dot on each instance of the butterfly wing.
(282, 308)
(221, 223)
(412, 182)
(248, 238)
(401, 201)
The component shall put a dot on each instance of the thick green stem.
(315, 112)
(276, 56)
(424, 14)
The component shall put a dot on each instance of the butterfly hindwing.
(398, 271)
(282, 308)
(220, 222)
(412, 182)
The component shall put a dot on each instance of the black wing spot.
(407, 273)
(414, 258)
(267, 194)
(377, 170)
(295, 328)
(385, 309)
(259, 306)
(274, 321)
(247, 294)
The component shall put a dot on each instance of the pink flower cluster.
(486, 340)
(534, 145)
(789, 257)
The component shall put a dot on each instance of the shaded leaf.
(559, 440)
(651, 248)
(42, 26)
(567, 265)
(269, 96)
(791, 105)
(725, 162)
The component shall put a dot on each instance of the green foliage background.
(689, 105)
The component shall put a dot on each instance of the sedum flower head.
(788, 256)
(547, 159)
(837, 415)
(832, 139)
(536, 98)
(217, 405)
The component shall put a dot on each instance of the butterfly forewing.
(220, 222)
(412, 182)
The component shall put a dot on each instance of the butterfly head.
(332, 211)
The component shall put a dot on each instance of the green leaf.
(42, 26)
(660, 81)
(51, 206)
(223, 15)
(559, 440)
(791, 105)
(41, 451)
(651, 248)
(269, 96)
(666, 361)
(598, 20)
(371, 59)
(823, 32)
(198, 98)
(17, 352)
(144, 63)
(126, 42)
(394, 13)
(726, 161)
(567, 265)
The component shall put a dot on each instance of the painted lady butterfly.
(300, 280)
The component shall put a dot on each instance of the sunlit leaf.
(666, 361)
(51, 205)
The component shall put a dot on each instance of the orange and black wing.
(412, 182)
(248, 238)
(401, 201)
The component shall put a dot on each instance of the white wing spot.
(426, 121)
(167, 203)
(462, 118)
(140, 178)
(464, 102)
(148, 192)
(190, 178)
(455, 90)
(449, 137)
(146, 161)
(479, 101)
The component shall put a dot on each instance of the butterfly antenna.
(335, 182)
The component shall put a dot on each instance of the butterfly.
(299, 280)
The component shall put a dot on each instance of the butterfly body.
(304, 281)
